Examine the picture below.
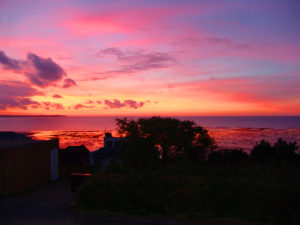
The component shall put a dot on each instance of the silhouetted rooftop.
(11, 139)
(106, 151)
(73, 154)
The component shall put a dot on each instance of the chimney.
(108, 135)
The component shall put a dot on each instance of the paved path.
(50, 205)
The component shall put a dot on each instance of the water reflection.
(244, 138)
(93, 140)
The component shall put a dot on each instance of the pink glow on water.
(246, 138)
(236, 138)
(93, 140)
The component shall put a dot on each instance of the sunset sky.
(139, 57)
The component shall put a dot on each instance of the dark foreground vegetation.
(169, 167)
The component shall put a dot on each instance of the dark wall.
(26, 166)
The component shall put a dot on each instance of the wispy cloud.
(81, 106)
(134, 61)
(215, 41)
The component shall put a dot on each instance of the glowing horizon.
(133, 58)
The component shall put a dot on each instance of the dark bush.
(248, 194)
(231, 158)
(281, 154)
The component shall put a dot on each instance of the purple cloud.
(138, 60)
(115, 104)
(9, 63)
(80, 106)
(57, 96)
(49, 105)
(127, 103)
(45, 72)
(42, 72)
(16, 94)
(133, 104)
(69, 83)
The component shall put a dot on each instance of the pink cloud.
(69, 83)
(57, 96)
(89, 102)
(127, 103)
(138, 60)
(133, 104)
(53, 105)
(16, 94)
(81, 106)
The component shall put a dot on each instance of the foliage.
(232, 158)
(172, 138)
(196, 191)
(140, 154)
(263, 186)
(281, 153)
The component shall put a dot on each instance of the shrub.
(247, 194)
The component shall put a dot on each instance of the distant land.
(32, 115)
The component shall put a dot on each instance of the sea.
(230, 132)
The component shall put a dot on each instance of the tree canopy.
(281, 152)
(168, 136)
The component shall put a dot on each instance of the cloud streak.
(134, 61)
(81, 106)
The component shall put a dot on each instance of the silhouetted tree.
(170, 137)
(140, 154)
(285, 149)
(286, 152)
(263, 152)
(232, 158)
(282, 152)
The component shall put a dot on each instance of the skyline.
(206, 58)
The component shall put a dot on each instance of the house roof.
(74, 154)
(106, 152)
(11, 139)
